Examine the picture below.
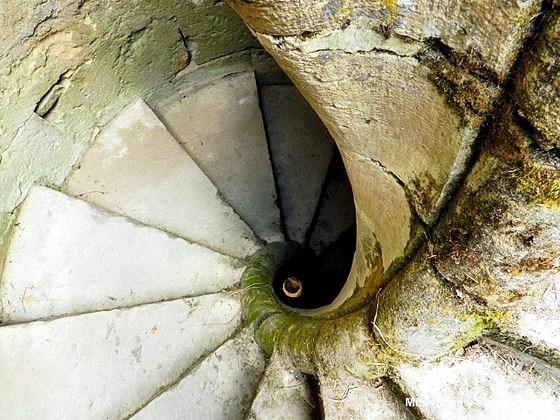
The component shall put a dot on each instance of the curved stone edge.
(372, 340)
(420, 316)
(283, 392)
(258, 298)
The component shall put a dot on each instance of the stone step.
(221, 128)
(137, 169)
(220, 387)
(485, 382)
(301, 149)
(347, 397)
(67, 256)
(335, 211)
(283, 394)
(536, 319)
(108, 364)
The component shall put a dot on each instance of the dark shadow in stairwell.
(309, 281)
(314, 196)
(316, 275)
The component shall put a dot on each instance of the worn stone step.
(484, 382)
(283, 394)
(346, 397)
(107, 364)
(335, 211)
(137, 169)
(220, 387)
(221, 128)
(301, 149)
(536, 319)
(67, 256)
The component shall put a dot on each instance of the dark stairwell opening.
(315, 200)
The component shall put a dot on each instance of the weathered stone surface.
(300, 149)
(137, 169)
(300, 17)
(68, 257)
(411, 101)
(108, 364)
(381, 204)
(283, 393)
(345, 350)
(490, 32)
(360, 399)
(220, 387)
(33, 155)
(509, 247)
(536, 319)
(418, 316)
(482, 383)
(221, 128)
(538, 85)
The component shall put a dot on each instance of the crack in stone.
(459, 290)
(121, 308)
(409, 197)
(297, 43)
(50, 99)
(188, 370)
(372, 50)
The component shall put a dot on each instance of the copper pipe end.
(292, 287)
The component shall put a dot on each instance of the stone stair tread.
(137, 169)
(537, 320)
(107, 364)
(67, 257)
(221, 128)
(335, 211)
(301, 149)
(282, 394)
(483, 383)
(220, 387)
(354, 398)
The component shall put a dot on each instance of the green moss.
(258, 297)
(477, 323)
(393, 9)
(539, 185)
(292, 335)
(287, 332)
(347, 344)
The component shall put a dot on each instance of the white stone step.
(347, 397)
(67, 256)
(107, 364)
(282, 394)
(537, 318)
(220, 387)
(483, 383)
(221, 128)
(137, 169)
(301, 149)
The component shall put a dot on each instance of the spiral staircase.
(142, 288)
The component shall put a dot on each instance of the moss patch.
(540, 185)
